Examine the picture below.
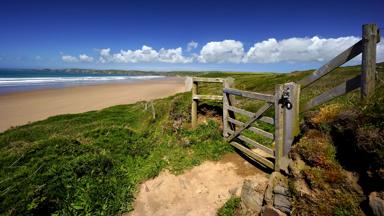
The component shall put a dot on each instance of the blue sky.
(181, 35)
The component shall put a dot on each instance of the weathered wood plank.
(205, 79)
(339, 90)
(228, 100)
(208, 97)
(291, 117)
(248, 94)
(253, 155)
(253, 129)
(343, 57)
(267, 119)
(255, 144)
(368, 60)
(194, 105)
(240, 111)
(279, 127)
(250, 121)
(249, 114)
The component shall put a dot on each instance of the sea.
(16, 80)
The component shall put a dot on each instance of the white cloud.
(229, 51)
(74, 59)
(145, 54)
(192, 45)
(85, 58)
(380, 50)
(38, 58)
(291, 50)
(69, 59)
(298, 49)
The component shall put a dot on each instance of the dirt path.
(199, 191)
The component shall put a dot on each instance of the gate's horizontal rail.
(253, 155)
(249, 114)
(203, 79)
(207, 97)
(256, 116)
(339, 90)
(253, 129)
(255, 144)
(248, 94)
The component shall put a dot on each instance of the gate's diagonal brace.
(249, 122)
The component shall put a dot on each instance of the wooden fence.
(285, 102)
(227, 82)
(366, 80)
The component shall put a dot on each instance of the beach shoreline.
(19, 108)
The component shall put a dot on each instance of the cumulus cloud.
(192, 45)
(145, 54)
(74, 59)
(85, 58)
(298, 49)
(226, 51)
(69, 59)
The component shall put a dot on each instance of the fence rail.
(227, 82)
(285, 102)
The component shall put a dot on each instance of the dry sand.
(23, 107)
(200, 191)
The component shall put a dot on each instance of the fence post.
(368, 61)
(291, 117)
(279, 126)
(194, 104)
(228, 100)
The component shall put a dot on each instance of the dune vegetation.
(91, 163)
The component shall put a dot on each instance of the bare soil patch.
(199, 191)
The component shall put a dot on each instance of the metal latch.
(284, 100)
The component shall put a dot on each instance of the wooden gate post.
(368, 61)
(279, 126)
(194, 104)
(228, 100)
(291, 117)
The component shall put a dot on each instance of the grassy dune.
(91, 163)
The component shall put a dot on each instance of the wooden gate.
(285, 121)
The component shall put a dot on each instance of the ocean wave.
(69, 80)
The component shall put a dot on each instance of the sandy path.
(199, 191)
(23, 107)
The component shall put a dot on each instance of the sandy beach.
(23, 107)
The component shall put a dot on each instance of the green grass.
(228, 209)
(91, 163)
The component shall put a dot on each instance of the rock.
(281, 190)
(376, 203)
(252, 195)
(274, 179)
(282, 203)
(270, 211)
